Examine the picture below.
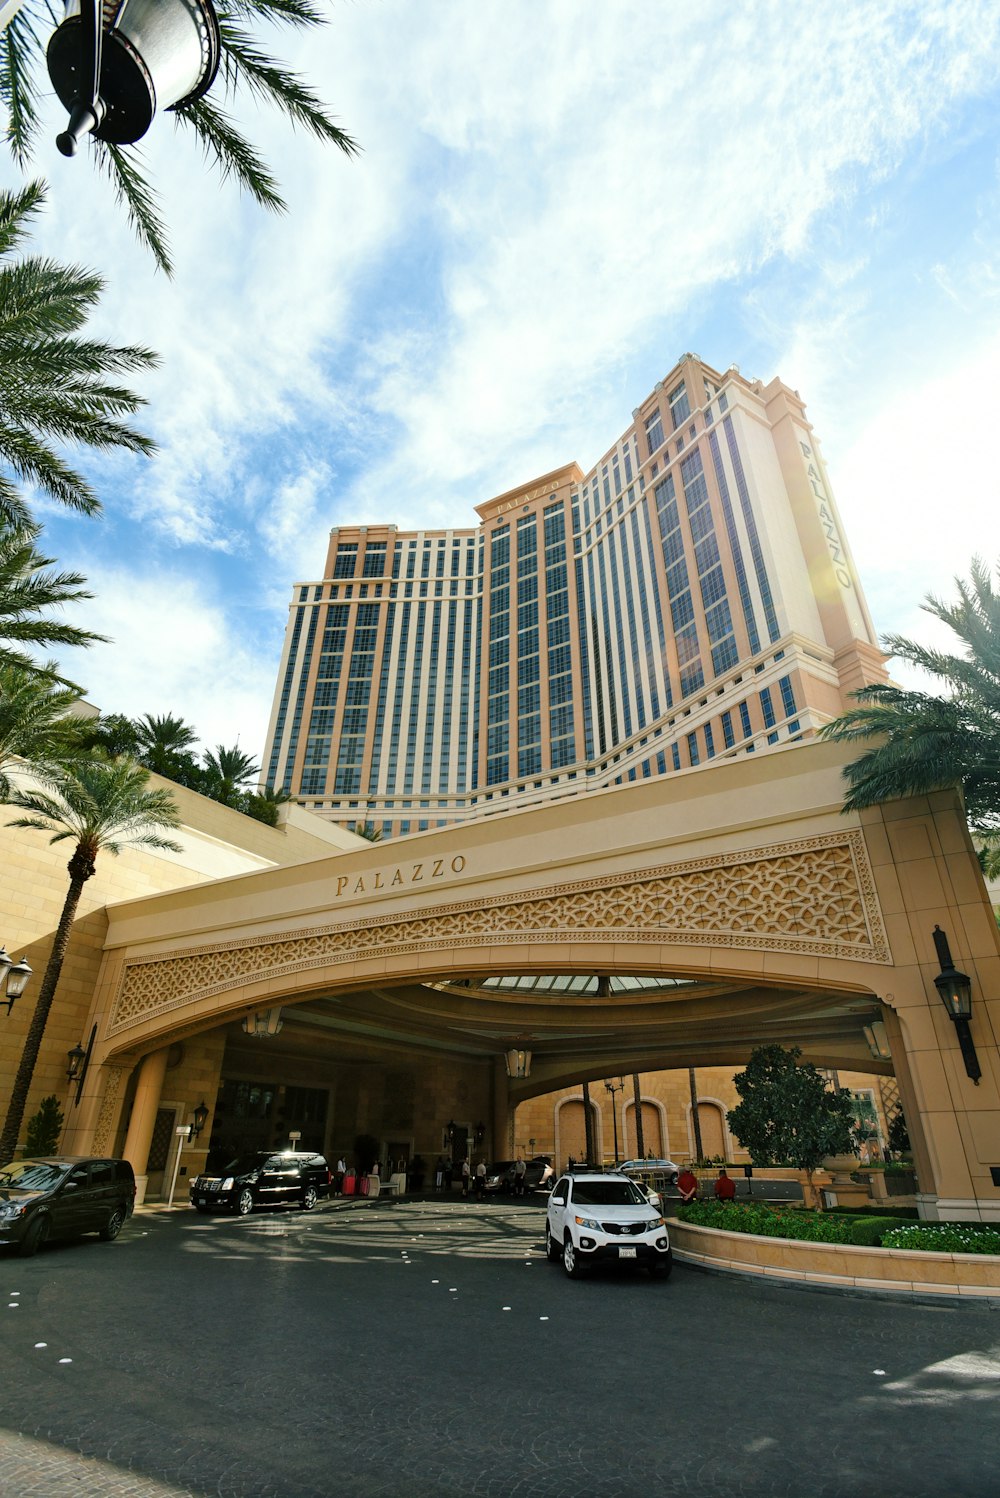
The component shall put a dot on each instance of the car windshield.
(30, 1175)
(607, 1194)
(243, 1164)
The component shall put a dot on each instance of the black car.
(62, 1196)
(269, 1178)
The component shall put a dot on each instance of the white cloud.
(549, 194)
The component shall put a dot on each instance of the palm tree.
(245, 71)
(27, 595)
(229, 771)
(923, 741)
(368, 831)
(165, 745)
(39, 730)
(103, 806)
(58, 387)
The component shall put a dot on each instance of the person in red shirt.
(687, 1185)
(725, 1189)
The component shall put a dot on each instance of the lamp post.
(14, 976)
(613, 1086)
(113, 64)
(955, 990)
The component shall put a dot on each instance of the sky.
(554, 200)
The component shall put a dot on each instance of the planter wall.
(844, 1265)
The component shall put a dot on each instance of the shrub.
(44, 1128)
(869, 1232)
(945, 1238)
(767, 1222)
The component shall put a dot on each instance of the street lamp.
(14, 976)
(955, 990)
(262, 1023)
(878, 1040)
(75, 1059)
(114, 62)
(199, 1120)
(518, 1062)
(614, 1086)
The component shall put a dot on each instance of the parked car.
(500, 1175)
(62, 1196)
(269, 1178)
(652, 1168)
(601, 1217)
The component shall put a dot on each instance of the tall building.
(691, 596)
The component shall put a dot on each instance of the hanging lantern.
(113, 63)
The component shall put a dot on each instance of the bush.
(767, 1222)
(869, 1232)
(945, 1238)
(44, 1128)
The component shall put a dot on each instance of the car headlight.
(588, 1222)
(227, 1184)
(653, 1224)
(9, 1210)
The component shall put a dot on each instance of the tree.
(40, 730)
(228, 772)
(58, 387)
(245, 71)
(368, 831)
(104, 806)
(44, 1128)
(786, 1113)
(28, 593)
(165, 745)
(924, 742)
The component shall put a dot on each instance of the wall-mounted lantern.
(955, 990)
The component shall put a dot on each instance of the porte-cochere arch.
(762, 911)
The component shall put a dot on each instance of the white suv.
(597, 1217)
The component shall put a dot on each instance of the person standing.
(465, 1176)
(439, 1173)
(481, 1181)
(687, 1185)
(341, 1172)
(520, 1172)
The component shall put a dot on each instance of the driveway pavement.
(428, 1350)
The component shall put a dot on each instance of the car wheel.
(33, 1239)
(661, 1266)
(114, 1225)
(552, 1250)
(244, 1202)
(571, 1263)
(309, 1198)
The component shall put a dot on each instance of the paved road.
(429, 1351)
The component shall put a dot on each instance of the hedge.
(824, 1227)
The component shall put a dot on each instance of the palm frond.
(17, 209)
(243, 62)
(136, 196)
(233, 153)
(19, 46)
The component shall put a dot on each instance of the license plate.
(202, 1201)
(626, 1253)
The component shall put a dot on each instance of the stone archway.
(749, 906)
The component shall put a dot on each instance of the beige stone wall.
(554, 1120)
(33, 886)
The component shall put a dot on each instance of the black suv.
(270, 1178)
(62, 1196)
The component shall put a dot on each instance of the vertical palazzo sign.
(835, 545)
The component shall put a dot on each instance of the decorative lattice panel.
(816, 896)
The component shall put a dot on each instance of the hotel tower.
(691, 597)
